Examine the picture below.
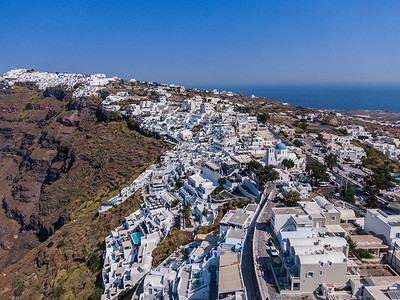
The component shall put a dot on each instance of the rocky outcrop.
(57, 92)
(36, 152)
(55, 156)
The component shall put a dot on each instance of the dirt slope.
(59, 158)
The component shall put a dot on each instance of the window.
(150, 291)
(330, 263)
(321, 263)
(320, 273)
(398, 235)
(333, 218)
(310, 274)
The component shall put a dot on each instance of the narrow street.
(249, 276)
(262, 233)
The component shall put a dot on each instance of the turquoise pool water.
(396, 175)
(136, 237)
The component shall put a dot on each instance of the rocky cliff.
(58, 156)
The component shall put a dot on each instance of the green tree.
(331, 160)
(267, 174)
(196, 128)
(297, 143)
(186, 212)
(288, 163)
(352, 246)
(381, 179)
(363, 253)
(263, 117)
(372, 202)
(178, 183)
(347, 194)
(253, 165)
(291, 198)
(317, 171)
(221, 181)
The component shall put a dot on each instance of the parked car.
(273, 251)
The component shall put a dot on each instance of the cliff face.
(56, 154)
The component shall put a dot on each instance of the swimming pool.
(136, 237)
(396, 175)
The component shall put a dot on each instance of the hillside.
(60, 157)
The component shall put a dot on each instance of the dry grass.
(108, 156)
(168, 245)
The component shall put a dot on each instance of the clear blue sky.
(206, 42)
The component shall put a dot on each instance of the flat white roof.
(392, 220)
(288, 210)
(333, 241)
(331, 256)
(236, 234)
(238, 218)
(154, 280)
(229, 273)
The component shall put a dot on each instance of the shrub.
(231, 204)
(94, 262)
(61, 244)
(221, 181)
(363, 253)
(20, 287)
(168, 245)
(174, 203)
(57, 291)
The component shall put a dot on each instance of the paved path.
(247, 269)
(247, 266)
(213, 295)
(262, 233)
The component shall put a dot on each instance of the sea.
(341, 97)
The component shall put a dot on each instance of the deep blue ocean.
(344, 97)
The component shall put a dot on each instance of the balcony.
(279, 273)
(295, 279)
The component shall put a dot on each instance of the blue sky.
(207, 42)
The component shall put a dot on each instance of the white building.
(310, 264)
(230, 282)
(275, 156)
(350, 152)
(234, 219)
(378, 222)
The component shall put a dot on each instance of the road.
(251, 285)
(262, 233)
(247, 272)
(213, 284)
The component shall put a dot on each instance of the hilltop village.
(268, 201)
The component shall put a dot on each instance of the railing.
(294, 279)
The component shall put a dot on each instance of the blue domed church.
(275, 156)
